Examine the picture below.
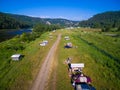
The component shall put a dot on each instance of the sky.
(68, 9)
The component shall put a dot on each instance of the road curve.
(43, 74)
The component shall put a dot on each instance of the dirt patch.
(51, 84)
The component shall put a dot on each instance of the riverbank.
(10, 33)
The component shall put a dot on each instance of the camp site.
(60, 45)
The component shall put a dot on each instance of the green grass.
(18, 75)
(93, 49)
(103, 70)
(109, 44)
(63, 79)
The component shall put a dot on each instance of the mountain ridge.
(31, 21)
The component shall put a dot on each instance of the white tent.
(67, 38)
(16, 57)
(44, 43)
(69, 44)
(77, 66)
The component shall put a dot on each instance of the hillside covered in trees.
(13, 21)
(103, 20)
(7, 22)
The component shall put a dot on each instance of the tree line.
(7, 22)
(37, 31)
(105, 21)
(17, 43)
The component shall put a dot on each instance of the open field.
(17, 75)
(99, 52)
(100, 63)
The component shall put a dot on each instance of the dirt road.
(42, 77)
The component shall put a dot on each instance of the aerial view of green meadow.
(101, 59)
(59, 45)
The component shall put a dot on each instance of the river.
(7, 34)
(19, 32)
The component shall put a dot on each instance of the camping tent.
(16, 57)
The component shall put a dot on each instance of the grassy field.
(18, 75)
(99, 52)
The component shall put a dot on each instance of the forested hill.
(107, 19)
(8, 21)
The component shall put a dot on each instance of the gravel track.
(44, 72)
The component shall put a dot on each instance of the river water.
(19, 32)
(5, 35)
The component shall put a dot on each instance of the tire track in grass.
(43, 74)
(51, 85)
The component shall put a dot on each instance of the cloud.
(45, 17)
(62, 17)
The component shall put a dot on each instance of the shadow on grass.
(67, 46)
